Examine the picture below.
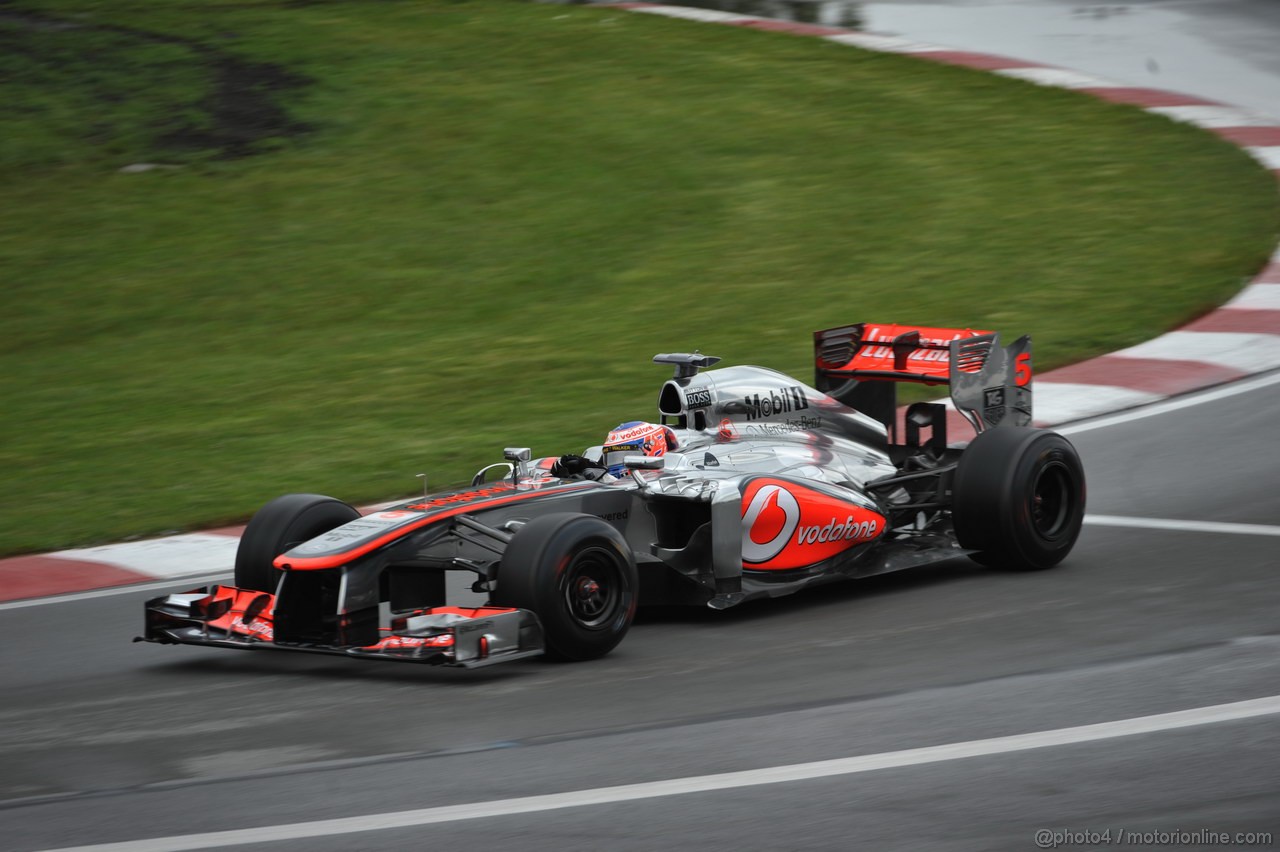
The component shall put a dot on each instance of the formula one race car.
(767, 486)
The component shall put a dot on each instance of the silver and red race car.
(767, 486)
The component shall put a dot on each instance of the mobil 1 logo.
(781, 401)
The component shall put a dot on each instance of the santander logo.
(768, 523)
(787, 525)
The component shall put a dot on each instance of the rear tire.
(279, 526)
(1018, 498)
(577, 574)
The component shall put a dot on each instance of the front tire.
(1018, 498)
(279, 526)
(577, 574)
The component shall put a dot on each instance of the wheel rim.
(592, 587)
(1051, 500)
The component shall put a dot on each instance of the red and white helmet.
(635, 438)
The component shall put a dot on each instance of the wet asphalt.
(106, 740)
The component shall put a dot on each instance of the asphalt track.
(103, 741)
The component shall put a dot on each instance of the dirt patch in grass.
(236, 108)
(243, 109)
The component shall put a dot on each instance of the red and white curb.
(1239, 339)
(122, 564)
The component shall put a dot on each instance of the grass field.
(402, 235)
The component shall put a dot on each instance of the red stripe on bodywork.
(467, 611)
(40, 576)
(314, 563)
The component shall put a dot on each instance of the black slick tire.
(577, 574)
(1018, 498)
(277, 527)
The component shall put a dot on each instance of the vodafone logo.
(836, 530)
(788, 525)
(768, 523)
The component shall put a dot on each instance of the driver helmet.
(635, 438)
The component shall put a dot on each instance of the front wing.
(230, 617)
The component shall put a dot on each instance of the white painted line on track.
(1181, 526)
(255, 837)
(184, 582)
(1188, 401)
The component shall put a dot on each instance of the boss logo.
(697, 398)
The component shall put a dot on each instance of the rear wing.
(861, 365)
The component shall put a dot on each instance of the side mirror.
(482, 476)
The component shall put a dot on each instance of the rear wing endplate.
(860, 365)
